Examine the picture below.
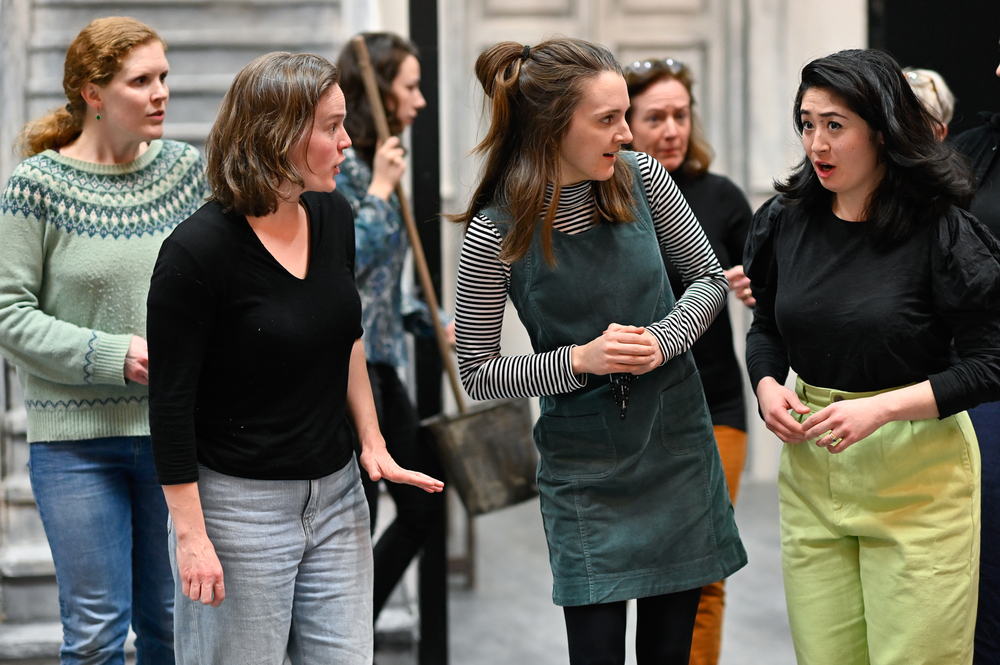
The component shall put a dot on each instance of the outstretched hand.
(379, 464)
(619, 349)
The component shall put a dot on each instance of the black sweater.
(847, 317)
(724, 214)
(248, 364)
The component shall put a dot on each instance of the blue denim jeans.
(106, 522)
(296, 561)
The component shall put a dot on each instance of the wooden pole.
(382, 128)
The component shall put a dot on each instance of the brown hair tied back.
(532, 93)
(95, 56)
(387, 52)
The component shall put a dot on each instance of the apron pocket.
(576, 447)
(685, 423)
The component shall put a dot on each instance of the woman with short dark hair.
(876, 286)
(633, 496)
(255, 327)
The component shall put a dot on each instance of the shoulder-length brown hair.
(532, 95)
(387, 52)
(639, 76)
(268, 109)
(95, 56)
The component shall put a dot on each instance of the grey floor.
(509, 617)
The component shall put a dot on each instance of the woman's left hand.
(655, 358)
(844, 423)
(379, 464)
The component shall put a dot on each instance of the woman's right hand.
(137, 361)
(388, 167)
(200, 570)
(775, 400)
(620, 349)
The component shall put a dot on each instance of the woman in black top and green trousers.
(883, 294)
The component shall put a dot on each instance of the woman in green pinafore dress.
(633, 496)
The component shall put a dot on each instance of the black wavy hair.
(923, 176)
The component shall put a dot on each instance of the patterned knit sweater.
(77, 246)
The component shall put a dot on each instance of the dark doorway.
(958, 39)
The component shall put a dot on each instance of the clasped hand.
(834, 427)
(619, 349)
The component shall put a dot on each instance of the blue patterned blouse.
(381, 243)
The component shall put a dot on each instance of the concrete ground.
(509, 617)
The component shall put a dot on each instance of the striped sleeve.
(685, 244)
(483, 283)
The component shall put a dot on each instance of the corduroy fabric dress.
(632, 507)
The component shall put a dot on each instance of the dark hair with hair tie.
(387, 52)
(532, 102)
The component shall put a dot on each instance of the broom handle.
(382, 128)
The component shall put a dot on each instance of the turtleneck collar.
(572, 196)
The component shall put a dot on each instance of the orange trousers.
(707, 639)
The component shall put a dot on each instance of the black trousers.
(417, 511)
(663, 630)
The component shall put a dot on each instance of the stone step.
(15, 422)
(38, 643)
(30, 642)
(22, 525)
(17, 489)
(28, 583)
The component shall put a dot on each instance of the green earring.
(98, 116)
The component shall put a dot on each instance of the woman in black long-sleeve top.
(257, 362)
(883, 294)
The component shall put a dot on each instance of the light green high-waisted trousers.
(880, 543)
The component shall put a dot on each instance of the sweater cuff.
(105, 361)
(576, 381)
(948, 395)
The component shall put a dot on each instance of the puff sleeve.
(965, 283)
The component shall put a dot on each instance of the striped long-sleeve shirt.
(484, 281)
